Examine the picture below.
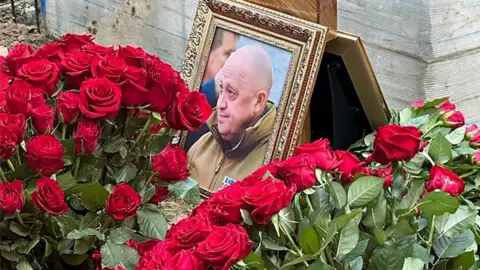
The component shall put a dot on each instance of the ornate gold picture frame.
(302, 41)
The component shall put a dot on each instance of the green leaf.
(298, 260)
(414, 193)
(464, 261)
(462, 220)
(309, 241)
(368, 140)
(120, 235)
(126, 173)
(254, 261)
(130, 258)
(318, 265)
(451, 247)
(247, 219)
(48, 248)
(147, 193)
(431, 104)
(18, 229)
(421, 253)
(74, 259)
(79, 234)
(417, 121)
(389, 256)
(23, 264)
(69, 184)
(23, 172)
(413, 264)
(11, 255)
(114, 144)
(268, 243)
(440, 149)
(405, 115)
(66, 224)
(86, 172)
(152, 222)
(187, 190)
(69, 156)
(158, 143)
(83, 245)
(348, 239)
(356, 252)
(27, 248)
(364, 190)
(65, 245)
(356, 264)
(94, 196)
(112, 254)
(401, 229)
(343, 220)
(438, 203)
(376, 215)
(457, 135)
(338, 194)
(90, 220)
(321, 201)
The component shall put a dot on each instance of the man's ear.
(262, 97)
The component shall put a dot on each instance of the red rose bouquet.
(86, 157)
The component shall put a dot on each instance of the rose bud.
(8, 143)
(22, 97)
(447, 106)
(18, 55)
(16, 122)
(49, 197)
(98, 49)
(471, 131)
(134, 56)
(100, 98)
(52, 52)
(453, 119)
(171, 163)
(42, 119)
(475, 140)
(395, 143)
(44, 154)
(297, 171)
(476, 158)
(160, 194)
(110, 67)
(123, 202)
(445, 180)
(42, 74)
(67, 107)
(225, 246)
(348, 167)
(418, 104)
(86, 136)
(11, 197)
(74, 43)
(76, 68)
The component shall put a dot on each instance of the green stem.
(309, 203)
(19, 218)
(144, 129)
(394, 217)
(64, 131)
(430, 236)
(77, 166)
(439, 123)
(18, 157)
(2, 175)
(329, 256)
(151, 177)
(287, 234)
(10, 165)
(465, 175)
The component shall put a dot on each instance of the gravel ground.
(24, 30)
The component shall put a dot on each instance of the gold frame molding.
(306, 41)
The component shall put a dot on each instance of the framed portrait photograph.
(257, 68)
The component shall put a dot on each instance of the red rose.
(471, 131)
(97, 259)
(395, 143)
(447, 106)
(76, 68)
(267, 198)
(418, 104)
(445, 180)
(348, 167)
(224, 205)
(18, 55)
(225, 246)
(67, 107)
(386, 174)
(8, 143)
(52, 52)
(123, 202)
(17, 124)
(160, 194)
(100, 98)
(42, 119)
(147, 246)
(74, 43)
(453, 119)
(110, 67)
(45, 154)
(171, 163)
(157, 257)
(134, 56)
(297, 171)
(49, 197)
(86, 136)
(22, 97)
(132, 243)
(3, 101)
(163, 84)
(4, 66)
(188, 232)
(320, 154)
(185, 260)
(475, 140)
(42, 74)
(476, 158)
(11, 196)
(4, 81)
(189, 112)
(260, 174)
(134, 91)
(98, 49)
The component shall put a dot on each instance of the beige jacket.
(211, 163)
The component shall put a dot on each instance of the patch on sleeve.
(227, 181)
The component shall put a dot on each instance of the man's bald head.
(254, 66)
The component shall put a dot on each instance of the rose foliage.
(404, 197)
(86, 156)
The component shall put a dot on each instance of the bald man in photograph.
(241, 124)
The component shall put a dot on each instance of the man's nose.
(221, 103)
